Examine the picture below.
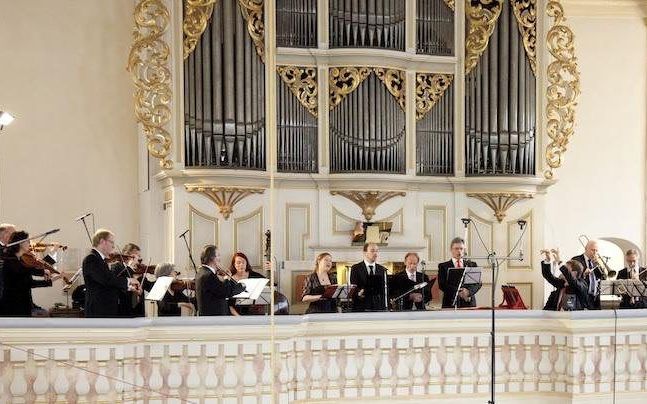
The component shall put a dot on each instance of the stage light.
(5, 119)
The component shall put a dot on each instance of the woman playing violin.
(173, 299)
(16, 297)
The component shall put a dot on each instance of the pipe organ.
(434, 28)
(296, 23)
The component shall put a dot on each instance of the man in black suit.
(406, 280)
(212, 286)
(370, 277)
(632, 271)
(592, 273)
(102, 285)
(467, 293)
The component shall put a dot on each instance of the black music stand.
(464, 276)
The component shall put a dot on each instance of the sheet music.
(159, 289)
(254, 288)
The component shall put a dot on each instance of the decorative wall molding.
(436, 243)
(430, 87)
(395, 81)
(302, 82)
(343, 81)
(148, 62)
(513, 233)
(500, 202)
(338, 217)
(607, 8)
(292, 227)
(398, 221)
(525, 12)
(563, 87)
(196, 239)
(253, 236)
(481, 16)
(474, 245)
(368, 201)
(196, 17)
(224, 197)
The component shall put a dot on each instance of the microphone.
(521, 223)
(466, 221)
(47, 233)
(82, 216)
(183, 234)
(420, 286)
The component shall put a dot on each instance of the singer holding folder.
(408, 280)
(466, 294)
(315, 284)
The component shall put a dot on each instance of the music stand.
(157, 293)
(465, 276)
(253, 288)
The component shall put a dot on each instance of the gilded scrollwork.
(148, 62)
(225, 198)
(526, 13)
(500, 202)
(430, 87)
(343, 81)
(482, 16)
(368, 201)
(302, 82)
(252, 11)
(450, 4)
(196, 17)
(395, 82)
(563, 87)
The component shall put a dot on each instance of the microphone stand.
(494, 263)
(87, 231)
(413, 289)
(183, 237)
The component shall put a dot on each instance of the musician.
(173, 299)
(16, 298)
(369, 276)
(571, 290)
(241, 269)
(212, 286)
(130, 304)
(592, 273)
(102, 285)
(406, 280)
(315, 284)
(632, 271)
(467, 293)
(6, 230)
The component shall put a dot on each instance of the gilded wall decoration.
(224, 197)
(148, 62)
(252, 11)
(481, 16)
(368, 201)
(196, 17)
(450, 4)
(302, 82)
(500, 202)
(395, 82)
(430, 87)
(343, 81)
(526, 13)
(563, 87)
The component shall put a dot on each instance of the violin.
(40, 247)
(141, 269)
(117, 257)
(29, 260)
(178, 285)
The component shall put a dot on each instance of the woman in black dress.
(16, 297)
(314, 286)
(241, 269)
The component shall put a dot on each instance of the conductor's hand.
(415, 297)
(464, 294)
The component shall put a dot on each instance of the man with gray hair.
(466, 293)
(633, 270)
(592, 273)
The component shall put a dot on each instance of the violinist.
(173, 299)
(6, 230)
(125, 266)
(214, 285)
(16, 297)
(102, 285)
(241, 269)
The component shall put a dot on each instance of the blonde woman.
(314, 286)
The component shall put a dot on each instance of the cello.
(281, 303)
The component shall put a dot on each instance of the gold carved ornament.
(450, 4)
(196, 18)
(302, 82)
(343, 81)
(148, 62)
(395, 82)
(482, 16)
(430, 87)
(224, 197)
(368, 201)
(252, 11)
(563, 87)
(526, 14)
(500, 202)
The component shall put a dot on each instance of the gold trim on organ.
(430, 87)
(563, 88)
(368, 201)
(450, 4)
(302, 82)
(196, 18)
(526, 13)
(343, 81)
(224, 197)
(148, 62)
(252, 11)
(482, 16)
(500, 202)
(395, 82)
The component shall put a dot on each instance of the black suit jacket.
(401, 284)
(373, 286)
(16, 299)
(212, 293)
(449, 289)
(593, 301)
(628, 302)
(126, 307)
(577, 287)
(102, 287)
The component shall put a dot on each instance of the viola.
(29, 260)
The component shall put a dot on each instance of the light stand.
(494, 263)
